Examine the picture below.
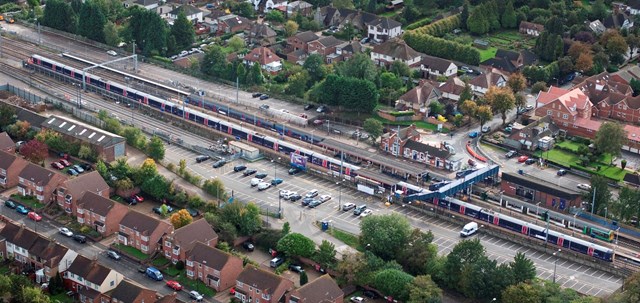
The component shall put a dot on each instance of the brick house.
(347, 49)
(232, 24)
(261, 34)
(300, 41)
(6, 144)
(39, 182)
(142, 232)
(393, 141)
(509, 61)
(534, 190)
(452, 89)
(419, 98)
(182, 240)
(433, 67)
(89, 279)
(260, 286)
(100, 213)
(127, 292)
(323, 289)
(263, 56)
(72, 190)
(531, 29)
(481, 84)
(395, 49)
(10, 168)
(324, 46)
(215, 268)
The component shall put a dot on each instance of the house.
(89, 279)
(232, 24)
(452, 89)
(383, 29)
(510, 61)
(393, 141)
(39, 182)
(192, 13)
(142, 232)
(324, 46)
(419, 98)
(168, 298)
(481, 84)
(297, 57)
(299, 7)
(6, 144)
(261, 34)
(147, 4)
(528, 137)
(434, 67)
(534, 190)
(106, 145)
(262, 6)
(46, 257)
(254, 284)
(127, 292)
(10, 168)
(323, 289)
(394, 4)
(346, 50)
(597, 27)
(100, 213)
(395, 49)
(179, 242)
(618, 20)
(215, 268)
(435, 156)
(264, 57)
(72, 190)
(633, 7)
(531, 29)
(300, 41)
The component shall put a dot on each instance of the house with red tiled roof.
(72, 190)
(258, 285)
(10, 168)
(393, 141)
(100, 213)
(481, 84)
(179, 242)
(321, 290)
(264, 57)
(324, 46)
(215, 268)
(419, 98)
(39, 182)
(142, 232)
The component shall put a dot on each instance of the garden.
(507, 40)
(29, 201)
(132, 251)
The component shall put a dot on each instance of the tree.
(58, 14)
(111, 37)
(5, 285)
(303, 278)
(373, 127)
(296, 245)
(32, 294)
(599, 185)
(577, 48)
(484, 279)
(584, 63)
(523, 268)
(635, 85)
(436, 108)
(343, 4)
(85, 152)
(290, 28)
(315, 67)
(244, 9)
(464, 253)
(101, 168)
(400, 69)
(214, 62)
(501, 99)
(7, 116)
(183, 31)
(478, 22)
(615, 44)
(509, 19)
(286, 228)
(157, 187)
(215, 188)
(469, 108)
(155, 148)
(599, 10)
(181, 218)
(351, 266)
(517, 83)
(609, 139)
(385, 235)
(359, 66)
(393, 282)
(484, 114)
(297, 84)
(626, 206)
(521, 293)
(91, 21)
(423, 290)
(34, 151)
(236, 43)
(326, 254)
(133, 136)
(275, 16)
(466, 94)
(417, 256)
(21, 130)
(539, 87)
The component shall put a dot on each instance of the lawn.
(559, 156)
(61, 298)
(419, 124)
(486, 54)
(569, 159)
(171, 271)
(160, 261)
(131, 251)
(570, 145)
(347, 238)
(29, 201)
(196, 285)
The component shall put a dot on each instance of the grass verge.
(348, 238)
(196, 285)
(61, 298)
(132, 251)
(486, 54)
(419, 124)
(29, 201)
(160, 261)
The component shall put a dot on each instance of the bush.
(442, 48)
(402, 113)
(180, 265)
(418, 24)
(440, 27)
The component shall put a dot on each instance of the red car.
(65, 162)
(138, 198)
(33, 216)
(522, 159)
(174, 285)
(232, 291)
(57, 165)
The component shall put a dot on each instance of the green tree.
(539, 87)
(85, 152)
(275, 16)
(416, 257)
(214, 62)
(286, 228)
(244, 9)
(148, 29)
(502, 100)
(599, 185)
(436, 108)
(521, 293)
(609, 138)
(343, 4)
(626, 206)
(393, 282)
(373, 127)
(297, 84)
(469, 108)
(133, 136)
(315, 67)
(464, 253)
(20, 130)
(523, 268)
(183, 31)
(18, 283)
(326, 254)
(157, 187)
(484, 279)
(478, 22)
(155, 148)
(215, 188)
(296, 245)
(385, 235)
(5, 285)
(236, 43)
(423, 290)
(359, 66)
(466, 94)
(400, 69)
(509, 19)
(101, 168)
(58, 14)
(351, 267)
(32, 294)
(7, 116)
(91, 21)
(599, 10)
(290, 28)
(110, 33)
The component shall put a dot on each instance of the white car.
(112, 53)
(263, 185)
(348, 206)
(325, 198)
(255, 182)
(65, 231)
(584, 186)
(357, 299)
(289, 195)
(365, 213)
(195, 295)
(284, 193)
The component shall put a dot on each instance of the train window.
(600, 234)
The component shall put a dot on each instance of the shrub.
(402, 113)
(180, 265)
(418, 24)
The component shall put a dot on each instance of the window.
(189, 263)
(144, 248)
(39, 188)
(80, 211)
(549, 112)
(167, 244)
(112, 283)
(199, 274)
(190, 273)
(565, 116)
(565, 124)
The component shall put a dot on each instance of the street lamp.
(605, 214)
(340, 196)
(537, 205)
(555, 263)
(275, 176)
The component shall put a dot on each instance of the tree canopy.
(385, 235)
(609, 138)
(296, 245)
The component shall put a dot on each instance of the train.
(526, 228)
(276, 143)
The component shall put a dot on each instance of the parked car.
(276, 181)
(473, 134)
(195, 295)
(113, 255)
(72, 172)
(318, 122)
(306, 201)
(584, 186)
(283, 193)
(248, 246)
(295, 197)
(561, 172)
(263, 185)
(522, 159)
(358, 210)
(219, 163)
(485, 129)
(314, 204)
(309, 106)
(261, 175)
(158, 209)
(312, 193)
(264, 97)
(322, 109)
(21, 209)
(78, 168)
(65, 231)
(369, 294)
(112, 53)
(356, 299)
(138, 198)
(294, 171)
(264, 107)
(175, 285)
(529, 107)
(348, 206)
(325, 198)
(366, 213)
(10, 204)
(530, 161)
(510, 154)
(238, 168)
(249, 172)
(57, 165)
(296, 268)
(80, 238)
(256, 95)
(256, 181)
(193, 212)
(202, 158)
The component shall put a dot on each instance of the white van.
(263, 185)
(255, 182)
(469, 229)
(312, 193)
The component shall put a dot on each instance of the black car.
(238, 168)
(256, 95)
(295, 198)
(530, 161)
(10, 204)
(562, 172)
(133, 201)
(261, 175)
(294, 171)
(86, 166)
(306, 201)
(219, 163)
(369, 294)
(264, 97)
(80, 238)
(296, 268)
(309, 106)
(248, 246)
(249, 172)
(202, 158)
